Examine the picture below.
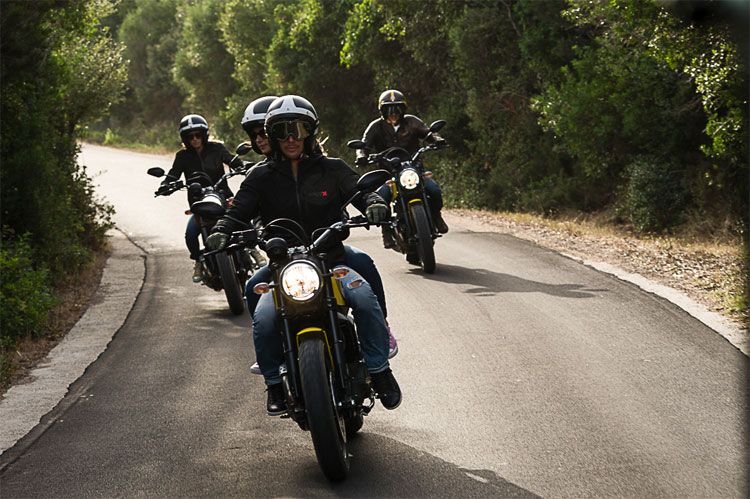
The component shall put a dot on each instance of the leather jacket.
(211, 161)
(314, 199)
(381, 135)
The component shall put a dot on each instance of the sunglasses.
(257, 132)
(195, 135)
(297, 129)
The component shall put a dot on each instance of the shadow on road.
(383, 467)
(488, 283)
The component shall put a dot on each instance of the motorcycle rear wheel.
(230, 283)
(326, 426)
(425, 248)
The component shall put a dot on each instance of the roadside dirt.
(73, 299)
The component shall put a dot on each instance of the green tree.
(202, 66)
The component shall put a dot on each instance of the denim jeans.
(192, 233)
(355, 258)
(373, 334)
(434, 193)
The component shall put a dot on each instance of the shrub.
(653, 195)
(25, 293)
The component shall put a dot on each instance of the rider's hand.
(361, 161)
(441, 142)
(163, 189)
(217, 241)
(377, 212)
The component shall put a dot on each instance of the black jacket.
(211, 161)
(315, 199)
(381, 135)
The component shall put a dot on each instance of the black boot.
(387, 389)
(276, 404)
(440, 224)
(388, 239)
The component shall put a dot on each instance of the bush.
(25, 294)
(653, 195)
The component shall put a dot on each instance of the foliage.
(653, 194)
(549, 104)
(25, 294)
(58, 70)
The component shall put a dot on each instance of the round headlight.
(300, 281)
(409, 179)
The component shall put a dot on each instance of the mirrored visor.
(299, 130)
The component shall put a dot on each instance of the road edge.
(730, 332)
(25, 404)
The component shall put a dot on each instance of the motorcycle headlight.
(300, 281)
(409, 179)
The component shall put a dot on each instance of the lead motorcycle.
(226, 271)
(413, 226)
(325, 380)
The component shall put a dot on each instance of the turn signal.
(261, 288)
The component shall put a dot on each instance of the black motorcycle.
(412, 222)
(326, 382)
(230, 270)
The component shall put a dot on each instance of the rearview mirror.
(437, 125)
(156, 171)
(243, 148)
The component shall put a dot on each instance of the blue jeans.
(434, 193)
(192, 233)
(355, 258)
(373, 334)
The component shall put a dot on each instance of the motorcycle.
(325, 380)
(413, 227)
(227, 271)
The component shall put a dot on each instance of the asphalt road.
(525, 374)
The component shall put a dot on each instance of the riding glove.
(217, 241)
(376, 213)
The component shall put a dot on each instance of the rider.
(300, 183)
(253, 122)
(199, 156)
(395, 128)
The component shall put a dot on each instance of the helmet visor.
(389, 109)
(298, 129)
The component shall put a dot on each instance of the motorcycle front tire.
(230, 283)
(425, 248)
(325, 424)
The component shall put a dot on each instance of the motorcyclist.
(395, 128)
(253, 122)
(300, 183)
(200, 156)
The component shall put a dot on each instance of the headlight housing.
(409, 179)
(300, 281)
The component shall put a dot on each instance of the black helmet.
(255, 116)
(391, 98)
(292, 115)
(190, 123)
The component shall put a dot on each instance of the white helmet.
(255, 116)
(292, 115)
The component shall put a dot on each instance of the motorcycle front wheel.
(323, 420)
(230, 283)
(425, 248)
